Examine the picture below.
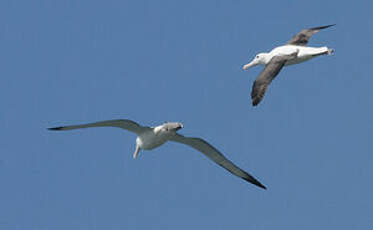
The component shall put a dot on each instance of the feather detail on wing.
(120, 123)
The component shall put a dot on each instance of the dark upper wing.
(265, 78)
(216, 156)
(267, 75)
(121, 123)
(301, 39)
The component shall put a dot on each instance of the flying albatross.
(152, 137)
(294, 52)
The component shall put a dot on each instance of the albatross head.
(259, 59)
(172, 126)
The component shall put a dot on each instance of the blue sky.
(69, 62)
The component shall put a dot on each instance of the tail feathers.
(325, 51)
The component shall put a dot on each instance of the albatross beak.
(136, 152)
(249, 65)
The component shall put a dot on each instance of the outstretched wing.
(267, 75)
(301, 39)
(120, 123)
(216, 156)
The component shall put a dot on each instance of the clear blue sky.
(68, 62)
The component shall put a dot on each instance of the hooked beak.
(249, 65)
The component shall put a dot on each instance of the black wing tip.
(255, 182)
(255, 101)
(331, 25)
(56, 128)
(323, 27)
(263, 187)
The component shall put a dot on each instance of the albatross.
(152, 137)
(294, 52)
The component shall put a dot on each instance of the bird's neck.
(265, 59)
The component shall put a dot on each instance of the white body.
(304, 53)
(153, 138)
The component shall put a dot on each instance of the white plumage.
(294, 52)
(152, 137)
